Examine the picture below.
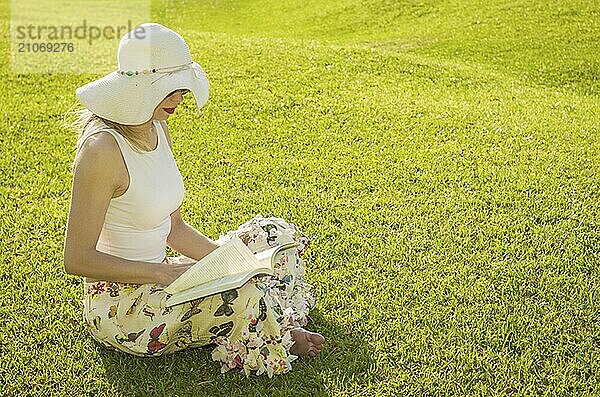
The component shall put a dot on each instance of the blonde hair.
(84, 118)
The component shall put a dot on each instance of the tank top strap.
(161, 135)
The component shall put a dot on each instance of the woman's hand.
(172, 271)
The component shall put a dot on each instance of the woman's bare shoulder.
(99, 146)
(102, 149)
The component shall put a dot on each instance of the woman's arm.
(183, 238)
(95, 180)
(186, 240)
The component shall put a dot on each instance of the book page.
(231, 258)
(268, 257)
(214, 287)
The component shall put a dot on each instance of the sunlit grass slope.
(442, 156)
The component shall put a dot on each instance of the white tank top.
(138, 222)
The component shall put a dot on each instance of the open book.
(229, 266)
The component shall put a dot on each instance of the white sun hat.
(153, 62)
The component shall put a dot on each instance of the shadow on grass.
(345, 357)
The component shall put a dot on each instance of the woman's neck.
(145, 133)
(142, 129)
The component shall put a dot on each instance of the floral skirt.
(250, 326)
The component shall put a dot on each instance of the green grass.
(443, 157)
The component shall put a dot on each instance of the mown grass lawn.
(443, 157)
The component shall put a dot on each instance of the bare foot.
(306, 343)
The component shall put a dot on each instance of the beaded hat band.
(146, 72)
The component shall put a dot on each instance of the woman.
(125, 210)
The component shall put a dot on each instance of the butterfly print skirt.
(249, 326)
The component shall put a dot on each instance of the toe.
(316, 339)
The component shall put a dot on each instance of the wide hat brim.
(131, 100)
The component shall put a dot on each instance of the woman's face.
(168, 105)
